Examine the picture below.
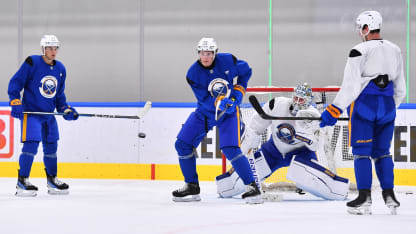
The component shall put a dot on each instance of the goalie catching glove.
(250, 140)
(308, 125)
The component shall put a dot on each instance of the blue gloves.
(330, 116)
(69, 112)
(226, 102)
(17, 109)
(235, 100)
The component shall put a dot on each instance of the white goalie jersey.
(288, 135)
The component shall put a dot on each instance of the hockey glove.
(330, 116)
(228, 105)
(70, 113)
(237, 94)
(17, 109)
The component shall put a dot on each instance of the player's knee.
(183, 148)
(362, 150)
(50, 148)
(30, 147)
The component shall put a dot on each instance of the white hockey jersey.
(288, 135)
(373, 58)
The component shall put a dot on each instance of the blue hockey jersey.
(43, 85)
(226, 67)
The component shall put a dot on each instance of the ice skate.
(188, 193)
(24, 188)
(253, 194)
(390, 200)
(362, 204)
(55, 186)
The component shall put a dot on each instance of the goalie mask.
(48, 40)
(302, 98)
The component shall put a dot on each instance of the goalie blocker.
(307, 175)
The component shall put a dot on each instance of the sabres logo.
(286, 133)
(48, 87)
(218, 87)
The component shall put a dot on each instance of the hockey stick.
(143, 112)
(256, 105)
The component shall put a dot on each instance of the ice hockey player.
(42, 79)
(372, 88)
(293, 144)
(218, 81)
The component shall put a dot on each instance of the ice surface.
(139, 206)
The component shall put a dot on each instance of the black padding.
(189, 81)
(354, 53)
(271, 104)
(234, 59)
(29, 61)
(381, 81)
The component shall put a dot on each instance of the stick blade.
(145, 109)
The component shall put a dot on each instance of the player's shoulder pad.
(354, 53)
(29, 60)
(234, 59)
(227, 57)
(190, 82)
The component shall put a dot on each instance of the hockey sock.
(188, 167)
(187, 161)
(29, 151)
(51, 164)
(50, 159)
(240, 164)
(363, 173)
(384, 170)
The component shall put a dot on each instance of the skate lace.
(57, 181)
(184, 188)
(26, 182)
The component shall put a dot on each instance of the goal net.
(333, 152)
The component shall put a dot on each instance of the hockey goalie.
(293, 144)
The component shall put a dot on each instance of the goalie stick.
(142, 113)
(256, 105)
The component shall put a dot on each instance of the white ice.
(139, 206)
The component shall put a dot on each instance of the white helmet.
(302, 98)
(207, 44)
(48, 40)
(370, 18)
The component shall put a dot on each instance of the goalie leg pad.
(229, 184)
(262, 167)
(317, 180)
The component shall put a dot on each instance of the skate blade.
(393, 209)
(25, 193)
(363, 210)
(254, 200)
(55, 191)
(189, 198)
(272, 197)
